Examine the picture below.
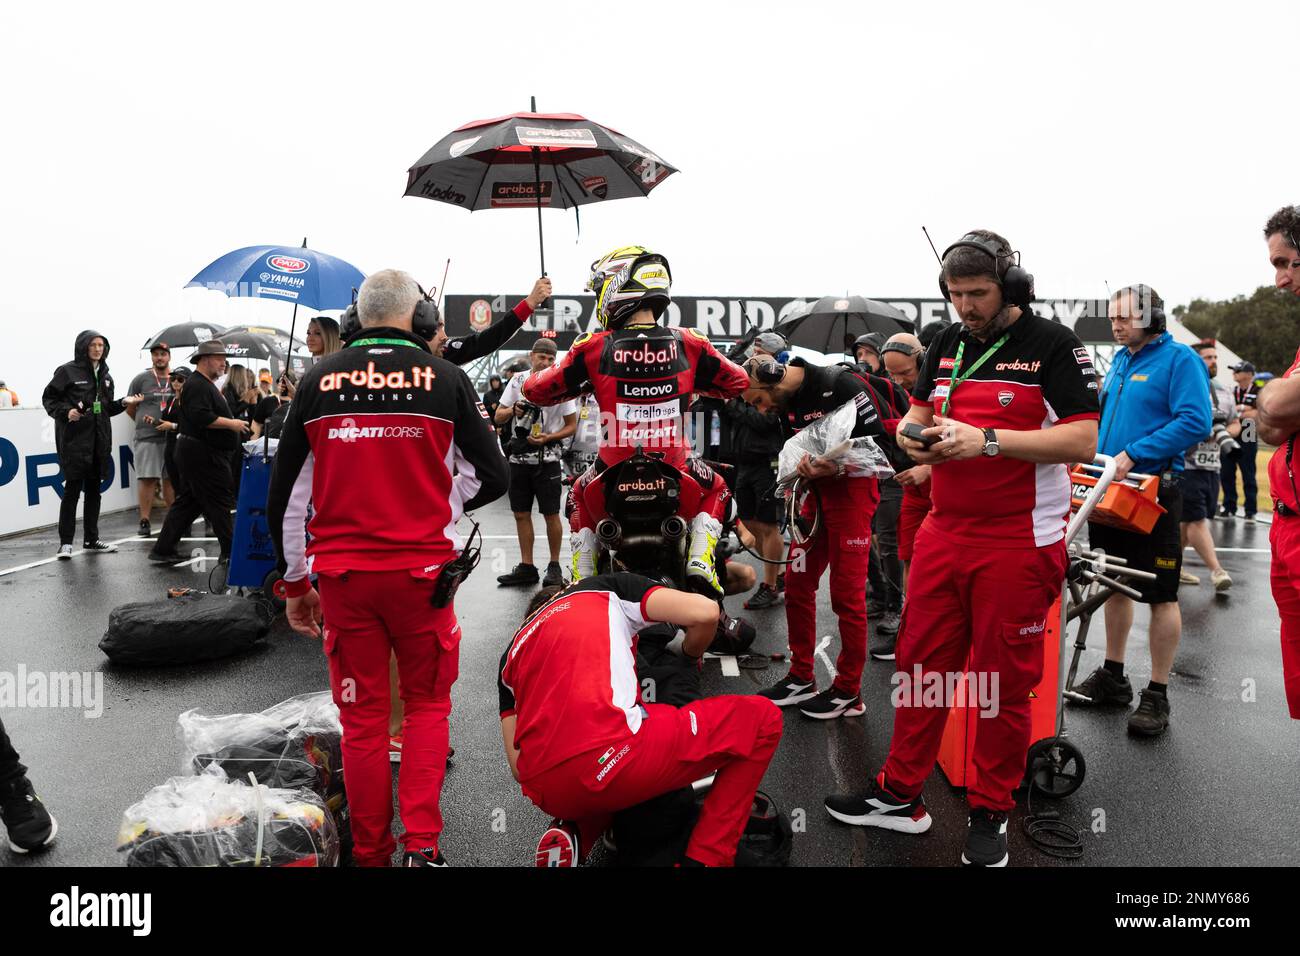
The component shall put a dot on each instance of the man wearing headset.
(1003, 405)
(643, 376)
(1279, 422)
(802, 394)
(1155, 405)
(390, 446)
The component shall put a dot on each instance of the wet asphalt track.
(1219, 789)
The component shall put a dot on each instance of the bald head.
(901, 355)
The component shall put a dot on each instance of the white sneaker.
(1222, 580)
(1186, 578)
(65, 552)
(583, 544)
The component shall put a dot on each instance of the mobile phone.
(915, 431)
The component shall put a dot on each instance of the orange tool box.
(1123, 505)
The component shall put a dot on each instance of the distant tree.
(1263, 329)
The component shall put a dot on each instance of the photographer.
(1243, 457)
(1279, 422)
(1155, 405)
(1201, 475)
(387, 483)
(536, 443)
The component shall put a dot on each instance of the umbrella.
(531, 160)
(278, 337)
(291, 274)
(185, 333)
(831, 324)
(250, 345)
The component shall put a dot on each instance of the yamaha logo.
(289, 264)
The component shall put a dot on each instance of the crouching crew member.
(390, 445)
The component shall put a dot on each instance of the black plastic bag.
(196, 627)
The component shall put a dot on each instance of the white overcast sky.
(1109, 141)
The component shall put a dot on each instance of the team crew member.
(536, 442)
(1004, 396)
(149, 444)
(1244, 395)
(643, 376)
(1279, 421)
(902, 357)
(466, 348)
(866, 353)
(1201, 478)
(80, 400)
(390, 445)
(756, 444)
(583, 745)
(1155, 405)
(802, 394)
(207, 439)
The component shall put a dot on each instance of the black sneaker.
(28, 823)
(986, 841)
(1225, 513)
(790, 691)
(559, 846)
(145, 531)
(888, 623)
(164, 557)
(882, 649)
(99, 547)
(1102, 688)
(554, 576)
(429, 856)
(522, 574)
(764, 597)
(832, 703)
(1151, 719)
(879, 808)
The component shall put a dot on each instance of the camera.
(1227, 444)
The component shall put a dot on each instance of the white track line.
(821, 652)
(134, 537)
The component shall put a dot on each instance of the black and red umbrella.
(831, 324)
(535, 160)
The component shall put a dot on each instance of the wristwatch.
(990, 443)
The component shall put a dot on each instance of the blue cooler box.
(252, 556)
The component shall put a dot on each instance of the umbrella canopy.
(249, 345)
(489, 164)
(288, 273)
(831, 324)
(185, 333)
(279, 338)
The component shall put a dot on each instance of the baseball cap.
(544, 347)
(180, 372)
(159, 347)
(264, 375)
(773, 343)
(1244, 367)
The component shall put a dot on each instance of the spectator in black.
(80, 400)
(756, 441)
(1244, 395)
(269, 415)
(170, 426)
(866, 353)
(29, 825)
(209, 435)
(492, 397)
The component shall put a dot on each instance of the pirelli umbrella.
(831, 324)
(535, 160)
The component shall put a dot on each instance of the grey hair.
(386, 295)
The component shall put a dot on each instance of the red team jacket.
(643, 377)
(389, 445)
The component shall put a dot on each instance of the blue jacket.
(1154, 405)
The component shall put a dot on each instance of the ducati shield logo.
(1004, 398)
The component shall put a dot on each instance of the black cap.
(1244, 367)
(180, 372)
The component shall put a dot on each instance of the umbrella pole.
(537, 184)
(293, 323)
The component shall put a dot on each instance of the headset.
(1153, 312)
(1291, 233)
(904, 349)
(425, 320)
(1017, 284)
(766, 371)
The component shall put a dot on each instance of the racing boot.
(583, 543)
(701, 566)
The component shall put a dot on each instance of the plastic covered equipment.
(831, 437)
(210, 820)
(184, 630)
(295, 744)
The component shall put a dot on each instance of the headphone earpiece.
(769, 373)
(425, 320)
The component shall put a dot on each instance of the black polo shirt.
(824, 390)
(1041, 376)
(201, 405)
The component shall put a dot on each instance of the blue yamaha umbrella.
(292, 274)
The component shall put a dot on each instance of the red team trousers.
(735, 736)
(966, 600)
(368, 616)
(1284, 536)
(844, 543)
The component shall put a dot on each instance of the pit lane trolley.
(252, 553)
(1054, 766)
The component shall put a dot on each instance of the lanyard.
(956, 368)
(360, 342)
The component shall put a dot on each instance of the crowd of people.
(978, 420)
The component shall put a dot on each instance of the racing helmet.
(629, 279)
